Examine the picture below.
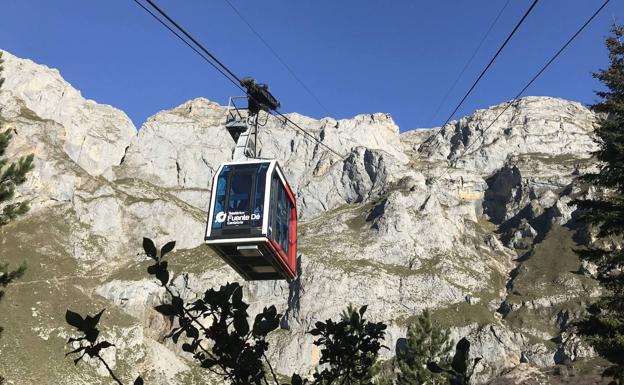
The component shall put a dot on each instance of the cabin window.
(272, 209)
(258, 206)
(220, 197)
(280, 215)
(239, 199)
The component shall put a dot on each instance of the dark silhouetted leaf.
(296, 380)
(434, 367)
(355, 318)
(460, 360)
(208, 363)
(104, 345)
(176, 335)
(237, 296)
(166, 309)
(167, 248)
(138, 381)
(241, 325)
(188, 348)
(178, 305)
(192, 332)
(149, 248)
(91, 335)
(363, 310)
(75, 320)
(162, 273)
(91, 322)
(152, 269)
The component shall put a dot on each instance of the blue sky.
(357, 56)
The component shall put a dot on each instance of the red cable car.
(252, 220)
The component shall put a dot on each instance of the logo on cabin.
(238, 217)
(220, 217)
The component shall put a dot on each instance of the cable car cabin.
(252, 221)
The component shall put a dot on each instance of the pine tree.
(12, 174)
(604, 214)
(426, 342)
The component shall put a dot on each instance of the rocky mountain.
(471, 221)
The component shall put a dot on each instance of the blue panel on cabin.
(218, 215)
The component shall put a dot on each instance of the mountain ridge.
(425, 235)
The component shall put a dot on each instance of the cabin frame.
(257, 248)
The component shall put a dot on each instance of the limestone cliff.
(471, 222)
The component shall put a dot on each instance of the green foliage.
(349, 348)
(216, 330)
(89, 343)
(604, 326)
(461, 370)
(12, 174)
(426, 342)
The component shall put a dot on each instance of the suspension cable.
(500, 49)
(219, 66)
(188, 44)
(279, 58)
(533, 79)
(468, 62)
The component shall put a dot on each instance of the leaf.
(188, 348)
(434, 367)
(167, 248)
(271, 312)
(92, 334)
(355, 319)
(91, 322)
(241, 325)
(208, 363)
(192, 332)
(237, 297)
(138, 381)
(176, 335)
(75, 320)
(296, 379)
(363, 310)
(166, 309)
(152, 269)
(149, 248)
(104, 345)
(178, 305)
(460, 360)
(162, 273)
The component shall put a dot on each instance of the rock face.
(471, 221)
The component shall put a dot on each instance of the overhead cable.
(533, 79)
(468, 62)
(500, 49)
(217, 64)
(279, 58)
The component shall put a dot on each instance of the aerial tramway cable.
(500, 49)
(533, 79)
(188, 44)
(468, 62)
(279, 58)
(219, 66)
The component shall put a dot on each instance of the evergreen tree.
(604, 213)
(12, 174)
(426, 342)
